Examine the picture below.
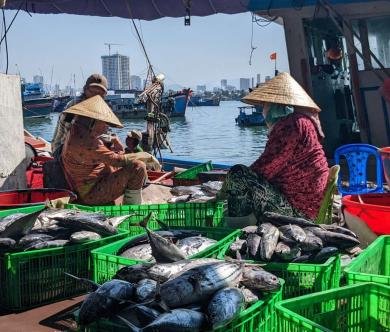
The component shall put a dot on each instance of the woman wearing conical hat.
(98, 174)
(290, 175)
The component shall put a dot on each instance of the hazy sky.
(212, 48)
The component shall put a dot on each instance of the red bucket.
(29, 197)
(373, 209)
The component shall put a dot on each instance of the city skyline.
(212, 48)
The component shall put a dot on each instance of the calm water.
(206, 133)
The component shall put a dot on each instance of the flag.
(273, 56)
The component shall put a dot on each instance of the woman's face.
(100, 127)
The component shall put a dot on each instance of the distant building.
(231, 88)
(253, 82)
(38, 79)
(223, 84)
(116, 68)
(244, 83)
(258, 80)
(135, 82)
(201, 88)
(216, 89)
(267, 78)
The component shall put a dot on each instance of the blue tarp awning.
(154, 9)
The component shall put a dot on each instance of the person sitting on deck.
(96, 84)
(133, 139)
(97, 174)
(291, 175)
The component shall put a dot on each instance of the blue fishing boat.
(36, 103)
(204, 101)
(254, 118)
(175, 105)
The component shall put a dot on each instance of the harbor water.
(206, 133)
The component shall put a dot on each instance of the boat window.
(375, 33)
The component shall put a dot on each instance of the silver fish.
(132, 273)
(187, 190)
(338, 240)
(287, 252)
(280, 220)
(7, 243)
(338, 229)
(291, 234)
(140, 252)
(225, 305)
(33, 237)
(116, 221)
(146, 315)
(311, 243)
(146, 290)
(192, 245)
(249, 296)
(253, 243)
(198, 283)
(255, 277)
(84, 236)
(46, 244)
(16, 226)
(323, 255)
(269, 240)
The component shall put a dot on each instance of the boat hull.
(37, 108)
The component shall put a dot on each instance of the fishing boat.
(36, 103)
(250, 116)
(60, 103)
(204, 101)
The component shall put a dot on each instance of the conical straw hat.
(282, 89)
(95, 108)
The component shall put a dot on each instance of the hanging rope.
(5, 40)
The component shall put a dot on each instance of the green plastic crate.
(33, 278)
(259, 317)
(192, 173)
(372, 265)
(300, 278)
(174, 215)
(356, 308)
(107, 263)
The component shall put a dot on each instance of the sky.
(210, 49)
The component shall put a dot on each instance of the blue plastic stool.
(357, 156)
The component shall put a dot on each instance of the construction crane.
(109, 47)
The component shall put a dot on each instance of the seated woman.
(99, 175)
(290, 176)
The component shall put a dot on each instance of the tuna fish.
(46, 244)
(192, 245)
(311, 243)
(287, 253)
(338, 240)
(7, 243)
(34, 237)
(132, 273)
(292, 234)
(338, 229)
(255, 277)
(198, 283)
(281, 220)
(141, 252)
(146, 315)
(249, 295)
(146, 290)
(253, 244)
(84, 236)
(269, 240)
(17, 225)
(224, 306)
(323, 255)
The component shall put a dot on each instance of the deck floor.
(52, 317)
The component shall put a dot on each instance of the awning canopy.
(154, 9)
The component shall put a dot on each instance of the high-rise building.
(253, 82)
(38, 79)
(116, 68)
(244, 83)
(135, 82)
(258, 81)
(231, 88)
(223, 84)
(201, 88)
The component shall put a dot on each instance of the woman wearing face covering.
(290, 175)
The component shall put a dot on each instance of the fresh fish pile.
(196, 295)
(50, 228)
(200, 193)
(165, 246)
(288, 239)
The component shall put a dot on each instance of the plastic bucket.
(373, 209)
(385, 155)
(12, 199)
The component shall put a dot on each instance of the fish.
(253, 243)
(250, 296)
(192, 245)
(34, 237)
(198, 283)
(323, 255)
(132, 273)
(84, 236)
(269, 240)
(338, 240)
(146, 315)
(179, 199)
(302, 259)
(140, 252)
(163, 250)
(287, 253)
(164, 271)
(249, 229)
(116, 221)
(338, 229)
(225, 305)
(104, 301)
(146, 290)
(254, 277)
(180, 320)
(17, 225)
(281, 220)
(83, 221)
(7, 243)
(46, 244)
(212, 187)
(187, 190)
(237, 248)
(311, 243)
(291, 234)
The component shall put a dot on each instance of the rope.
(6, 42)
